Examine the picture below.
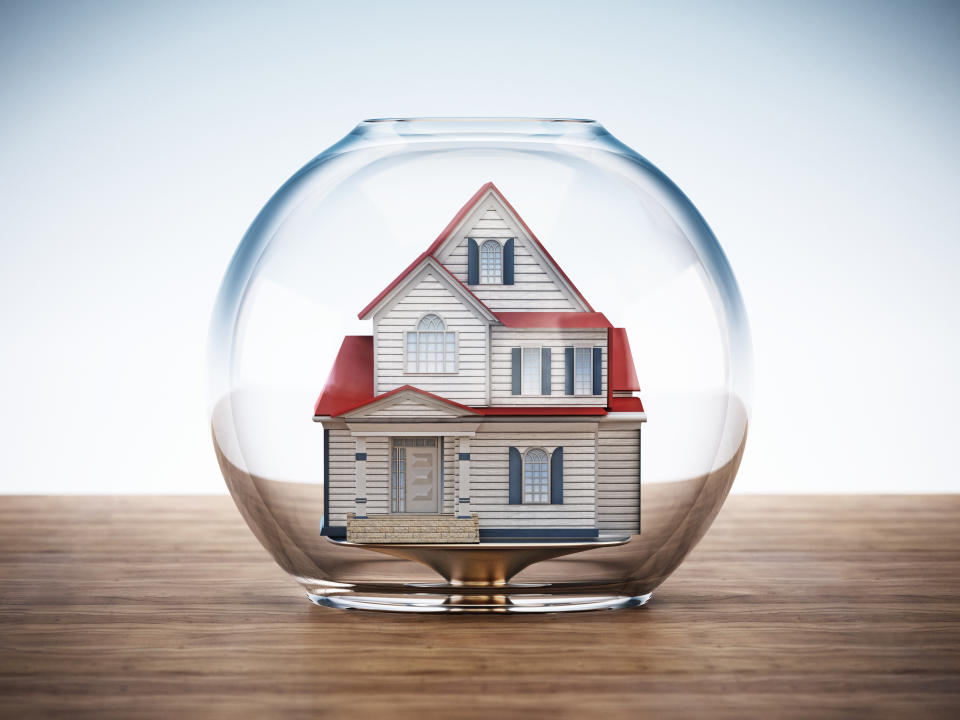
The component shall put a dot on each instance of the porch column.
(463, 493)
(360, 479)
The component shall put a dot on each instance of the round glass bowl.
(479, 365)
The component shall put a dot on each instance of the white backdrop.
(138, 141)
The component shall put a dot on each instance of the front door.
(415, 475)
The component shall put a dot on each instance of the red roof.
(448, 230)
(350, 384)
(553, 319)
(623, 373)
(626, 404)
(351, 379)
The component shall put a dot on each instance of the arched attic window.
(431, 348)
(536, 476)
(491, 263)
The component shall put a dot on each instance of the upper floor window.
(536, 477)
(530, 377)
(583, 371)
(491, 263)
(431, 348)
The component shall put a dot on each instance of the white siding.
(429, 295)
(604, 497)
(618, 480)
(343, 477)
(503, 340)
(490, 478)
(533, 288)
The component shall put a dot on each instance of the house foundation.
(412, 529)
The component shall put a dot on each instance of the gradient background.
(819, 139)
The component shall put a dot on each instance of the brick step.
(413, 529)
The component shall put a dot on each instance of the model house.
(491, 402)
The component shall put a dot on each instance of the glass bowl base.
(490, 602)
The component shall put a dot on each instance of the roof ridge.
(444, 235)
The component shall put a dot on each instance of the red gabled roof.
(448, 230)
(553, 319)
(408, 388)
(351, 379)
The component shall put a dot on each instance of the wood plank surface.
(790, 607)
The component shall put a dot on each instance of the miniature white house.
(491, 402)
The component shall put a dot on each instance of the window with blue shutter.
(556, 477)
(515, 363)
(508, 262)
(545, 374)
(473, 262)
(597, 371)
(568, 370)
(516, 477)
(491, 263)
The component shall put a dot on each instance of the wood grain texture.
(790, 607)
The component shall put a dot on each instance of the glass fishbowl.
(487, 365)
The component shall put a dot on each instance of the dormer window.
(491, 263)
(431, 348)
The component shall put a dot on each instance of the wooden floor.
(790, 607)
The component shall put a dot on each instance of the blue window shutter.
(515, 363)
(473, 262)
(556, 477)
(508, 262)
(568, 370)
(516, 477)
(598, 371)
(545, 374)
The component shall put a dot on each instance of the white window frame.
(398, 468)
(414, 367)
(497, 279)
(538, 387)
(576, 376)
(523, 477)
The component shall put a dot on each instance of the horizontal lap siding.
(490, 484)
(618, 480)
(408, 408)
(468, 384)
(489, 478)
(343, 475)
(532, 289)
(503, 340)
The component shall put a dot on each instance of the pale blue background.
(819, 139)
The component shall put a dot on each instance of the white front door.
(415, 475)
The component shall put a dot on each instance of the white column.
(463, 491)
(360, 499)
